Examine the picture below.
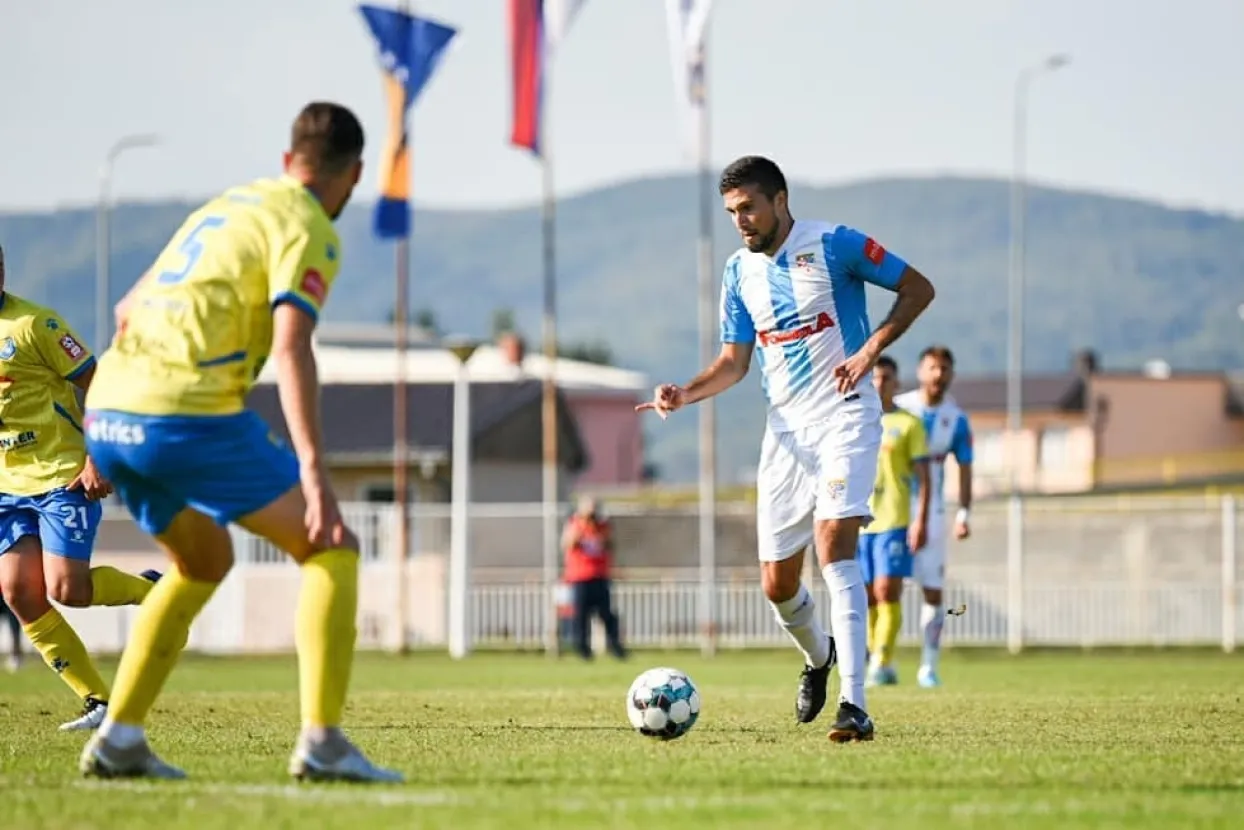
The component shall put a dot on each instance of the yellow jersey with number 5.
(41, 442)
(199, 327)
(903, 443)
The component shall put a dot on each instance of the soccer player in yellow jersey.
(887, 545)
(49, 496)
(241, 282)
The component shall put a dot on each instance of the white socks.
(848, 617)
(798, 616)
(931, 620)
(121, 735)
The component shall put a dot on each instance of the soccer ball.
(663, 703)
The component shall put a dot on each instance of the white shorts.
(928, 567)
(820, 472)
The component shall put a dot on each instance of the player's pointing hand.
(666, 398)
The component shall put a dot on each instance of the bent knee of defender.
(72, 589)
(212, 569)
(26, 599)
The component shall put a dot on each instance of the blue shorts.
(884, 554)
(65, 522)
(224, 466)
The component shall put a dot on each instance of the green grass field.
(1101, 740)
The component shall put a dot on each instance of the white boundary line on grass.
(343, 794)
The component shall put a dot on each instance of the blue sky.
(833, 90)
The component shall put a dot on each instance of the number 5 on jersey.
(191, 248)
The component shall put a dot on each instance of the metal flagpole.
(550, 495)
(708, 409)
(401, 452)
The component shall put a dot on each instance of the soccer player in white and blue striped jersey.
(948, 433)
(794, 297)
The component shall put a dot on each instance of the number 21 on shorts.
(75, 517)
(191, 248)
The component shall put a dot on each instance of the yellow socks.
(64, 652)
(161, 629)
(889, 622)
(110, 586)
(872, 629)
(324, 633)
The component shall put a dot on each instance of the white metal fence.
(1094, 573)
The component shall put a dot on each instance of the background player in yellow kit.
(242, 281)
(886, 546)
(49, 496)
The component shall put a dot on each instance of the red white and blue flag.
(537, 27)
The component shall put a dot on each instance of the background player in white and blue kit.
(794, 296)
(948, 433)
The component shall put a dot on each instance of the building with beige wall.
(1088, 429)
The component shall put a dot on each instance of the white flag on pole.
(558, 15)
(688, 24)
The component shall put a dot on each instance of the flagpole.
(708, 410)
(550, 495)
(401, 453)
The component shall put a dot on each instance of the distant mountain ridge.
(1131, 279)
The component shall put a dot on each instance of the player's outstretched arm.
(729, 368)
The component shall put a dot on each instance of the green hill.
(1134, 280)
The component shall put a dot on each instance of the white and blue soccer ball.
(663, 703)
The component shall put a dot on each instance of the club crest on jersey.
(8, 348)
(71, 347)
(805, 262)
(836, 488)
(52, 324)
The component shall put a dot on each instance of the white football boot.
(336, 759)
(104, 760)
(93, 712)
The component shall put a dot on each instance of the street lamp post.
(1015, 352)
(460, 466)
(103, 247)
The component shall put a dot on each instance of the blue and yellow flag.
(410, 48)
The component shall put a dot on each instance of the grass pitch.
(1101, 740)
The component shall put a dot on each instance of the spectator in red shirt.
(588, 544)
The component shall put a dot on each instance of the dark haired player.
(794, 296)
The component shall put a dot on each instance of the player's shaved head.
(326, 153)
(754, 192)
(327, 137)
